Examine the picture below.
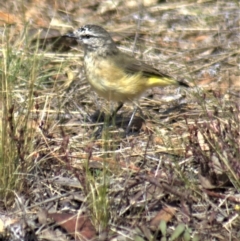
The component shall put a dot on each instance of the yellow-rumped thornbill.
(113, 74)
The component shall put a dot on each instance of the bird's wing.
(133, 66)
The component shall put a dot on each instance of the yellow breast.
(110, 81)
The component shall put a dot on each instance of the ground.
(68, 173)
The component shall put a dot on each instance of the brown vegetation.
(69, 174)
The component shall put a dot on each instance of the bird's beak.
(70, 35)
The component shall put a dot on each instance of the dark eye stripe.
(87, 36)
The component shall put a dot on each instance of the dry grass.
(175, 177)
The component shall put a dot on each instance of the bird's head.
(92, 37)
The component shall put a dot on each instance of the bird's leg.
(112, 117)
(120, 105)
(136, 108)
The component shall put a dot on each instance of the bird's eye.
(87, 36)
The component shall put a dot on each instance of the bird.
(113, 74)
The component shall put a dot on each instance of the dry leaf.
(205, 182)
(166, 214)
(79, 226)
(7, 18)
